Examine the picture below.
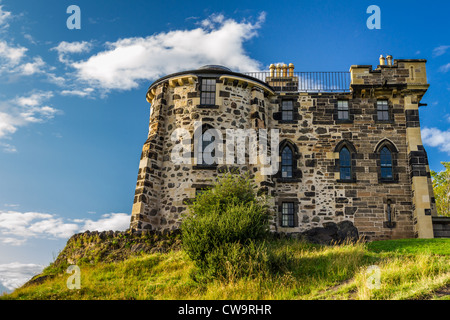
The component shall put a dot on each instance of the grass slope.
(409, 269)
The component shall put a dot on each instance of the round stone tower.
(191, 109)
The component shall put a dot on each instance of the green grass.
(439, 246)
(409, 269)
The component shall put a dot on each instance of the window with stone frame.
(287, 162)
(386, 154)
(345, 164)
(287, 167)
(287, 214)
(343, 112)
(383, 110)
(208, 92)
(386, 164)
(205, 145)
(287, 110)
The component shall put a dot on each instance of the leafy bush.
(222, 228)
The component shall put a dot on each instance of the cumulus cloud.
(64, 48)
(15, 274)
(10, 55)
(21, 111)
(17, 227)
(434, 137)
(127, 62)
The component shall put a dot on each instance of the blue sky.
(73, 114)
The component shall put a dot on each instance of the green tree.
(441, 187)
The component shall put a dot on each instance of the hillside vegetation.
(225, 251)
(314, 272)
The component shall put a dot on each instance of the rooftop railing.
(338, 81)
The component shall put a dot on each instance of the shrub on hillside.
(222, 225)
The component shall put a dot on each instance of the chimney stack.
(389, 60)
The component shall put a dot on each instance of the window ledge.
(208, 106)
(387, 181)
(205, 167)
(288, 121)
(289, 180)
(346, 181)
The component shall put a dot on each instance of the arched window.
(386, 154)
(386, 164)
(345, 164)
(207, 146)
(287, 162)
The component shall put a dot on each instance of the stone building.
(349, 148)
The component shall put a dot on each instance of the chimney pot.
(389, 60)
(382, 60)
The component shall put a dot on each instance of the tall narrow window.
(382, 110)
(208, 92)
(286, 163)
(342, 108)
(205, 157)
(386, 164)
(287, 110)
(345, 163)
(287, 214)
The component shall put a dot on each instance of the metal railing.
(338, 81)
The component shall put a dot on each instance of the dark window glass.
(208, 92)
(287, 110)
(345, 164)
(287, 214)
(382, 110)
(286, 163)
(343, 113)
(386, 163)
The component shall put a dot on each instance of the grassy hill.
(409, 269)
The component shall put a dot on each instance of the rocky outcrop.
(331, 233)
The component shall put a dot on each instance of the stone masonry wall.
(316, 134)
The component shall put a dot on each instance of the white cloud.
(10, 55)
(17, 227)
(439, 51)
(73, 47)
(21, 111)
(15, 274)
(80, 93)
(434, 137)
(31, 68)
(129, 61)
(445, 68)
(4, 17)
(64, 48)
(109, 221)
